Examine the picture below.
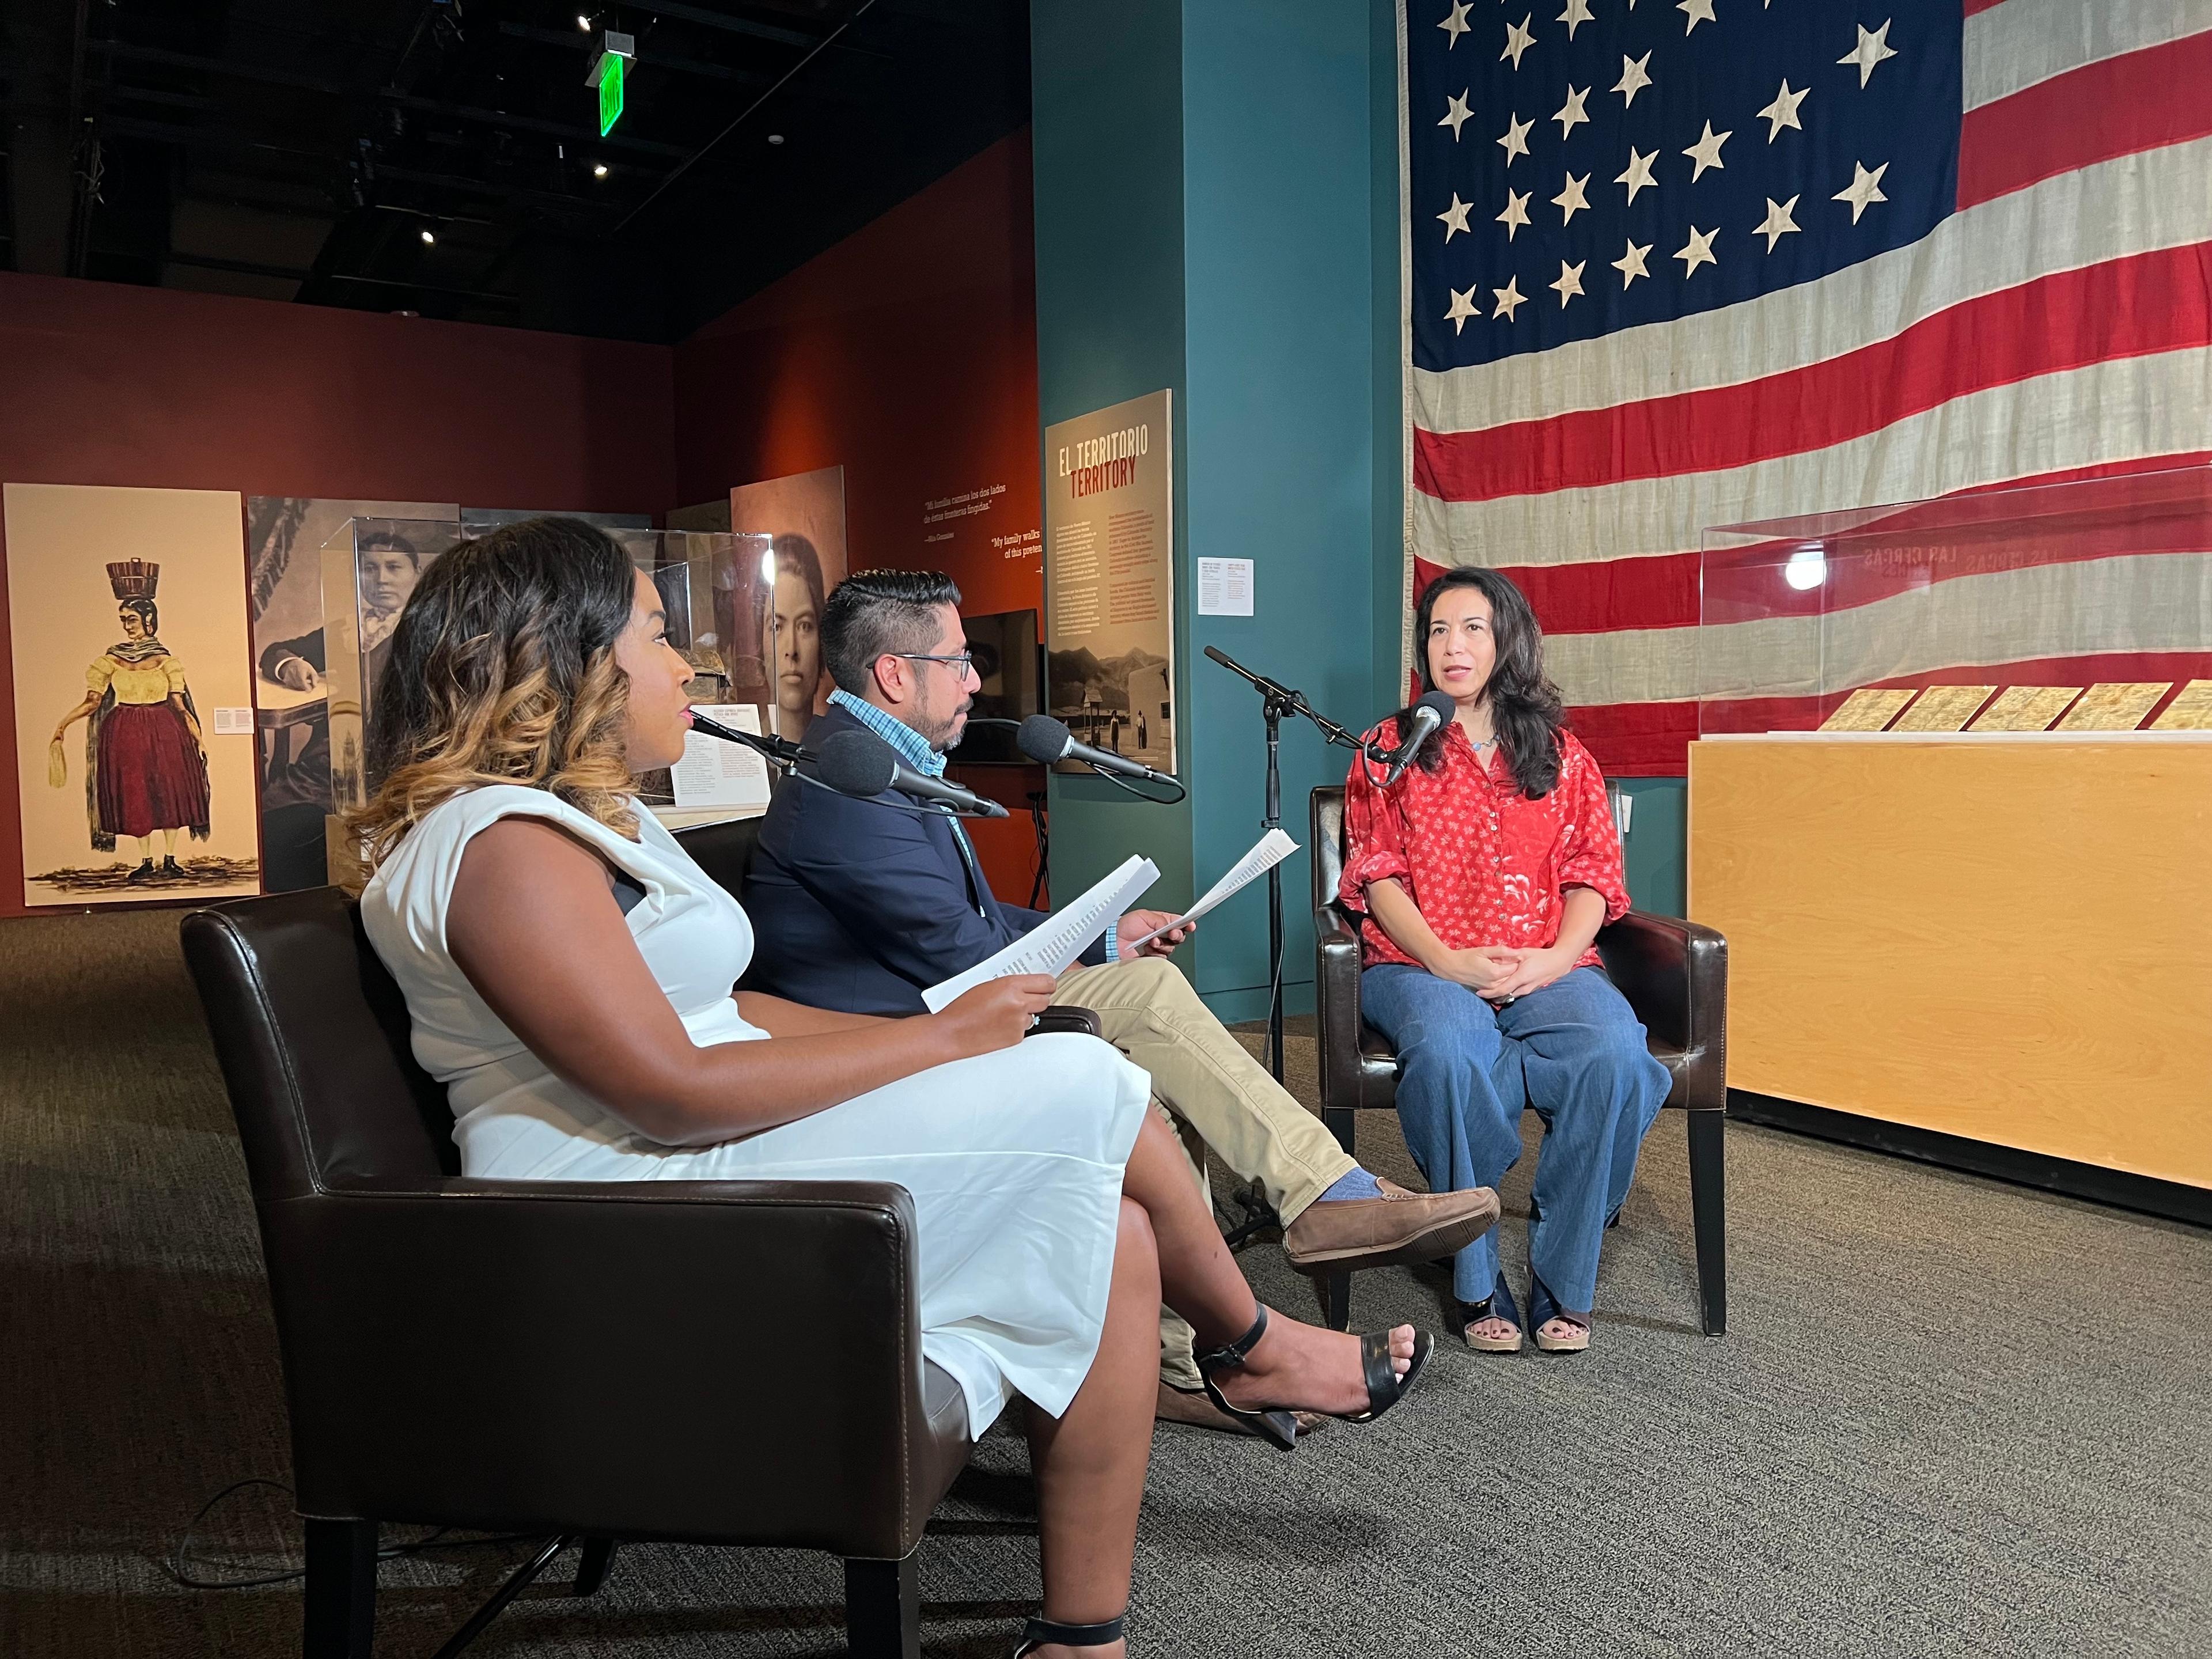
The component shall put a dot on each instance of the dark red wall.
(102, 384)
(907, 354)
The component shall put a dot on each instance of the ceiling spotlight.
(583, 23)
(428, 238)
(598, 169)
(775, 137)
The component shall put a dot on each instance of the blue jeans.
(1575, 1052)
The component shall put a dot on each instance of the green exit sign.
(610, 93)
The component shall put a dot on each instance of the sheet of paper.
(2115, 706)
(1868, 709)
(716, 773)
(1270, 850)
(1224, 587)
(1944, 708)
(2026, 709)
(1053, 945)
(2189, 712)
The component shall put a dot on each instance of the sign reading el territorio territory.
(1109, 579)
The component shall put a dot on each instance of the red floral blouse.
(1483, 864)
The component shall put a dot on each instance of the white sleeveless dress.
(1014, 1160)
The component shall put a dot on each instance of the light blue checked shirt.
(912, 747)
(914, 751)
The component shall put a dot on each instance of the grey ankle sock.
(1358, 1184)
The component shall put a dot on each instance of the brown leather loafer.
(1380, 1233)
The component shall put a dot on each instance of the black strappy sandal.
(1038, 1631)
(1385, 1387)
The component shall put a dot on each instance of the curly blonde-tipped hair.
(503, 670)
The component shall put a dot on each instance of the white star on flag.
(1865, 188)
(1778, 224)
(1639, 173)
(1570, 114)
(1457, 24)
(1570, 283)
(1872, 48)
(1572, 199)
(1516, 140)
(1783, 111)
(1515, 213)
(1462, 307)
(1635, 76)
(1454, 217)
(1456, 113)
(1706, 152)
(1518, 41)
(1576, 13)
(1698, 251)
(1698, 11)
(1510, 299)
(1631, 265)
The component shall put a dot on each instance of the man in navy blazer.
(859, 905)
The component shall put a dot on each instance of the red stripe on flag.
(1977, 6)
(2135, 307)
(2121, 106)
(1610, 594)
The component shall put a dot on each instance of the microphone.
(1045, 740)
(862, 764)
(1429, 715)
(782, 749)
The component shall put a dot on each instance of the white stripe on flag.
(2024, 43)
(2133, 204)
(2122, 605)
(2115, 411)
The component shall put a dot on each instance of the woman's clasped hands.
(1498, 974)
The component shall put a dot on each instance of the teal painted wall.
(1654, 848)
(1207, 214)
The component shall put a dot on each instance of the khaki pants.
(1215, 1093)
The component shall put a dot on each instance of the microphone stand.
(1277, 700)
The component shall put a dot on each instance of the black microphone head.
(1440, 704)
(1044, 738)
(856, 763)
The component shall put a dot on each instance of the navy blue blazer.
(860, 905)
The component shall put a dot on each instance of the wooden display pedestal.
(1991, 951)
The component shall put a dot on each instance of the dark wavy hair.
(503, 670)
(1525, 707)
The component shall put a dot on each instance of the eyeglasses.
(965, 662)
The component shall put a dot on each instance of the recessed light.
(428, 237)
(598, 170)
(775, 137)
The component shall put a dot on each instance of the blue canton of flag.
(1623, 163)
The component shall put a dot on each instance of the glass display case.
(711, 583)
(2080, 606)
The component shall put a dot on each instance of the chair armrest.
(1674, 974)
(722, 1360)
(1061, 1017)
(1336, 1005)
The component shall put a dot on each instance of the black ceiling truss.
(444, 155)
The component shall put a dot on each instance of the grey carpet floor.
(1949, 1417)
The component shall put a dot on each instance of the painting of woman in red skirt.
(145, 763)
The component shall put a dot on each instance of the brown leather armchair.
(589, 1361)
(1674, 974)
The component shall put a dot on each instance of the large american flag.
(1677, 264)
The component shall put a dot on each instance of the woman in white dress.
(568, 973)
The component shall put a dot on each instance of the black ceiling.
(298, 149)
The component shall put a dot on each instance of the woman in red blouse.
(1483, 875)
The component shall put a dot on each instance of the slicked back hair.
(878, 613)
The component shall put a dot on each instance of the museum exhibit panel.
(1986, 924)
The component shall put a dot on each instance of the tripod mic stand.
(1277, 700)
